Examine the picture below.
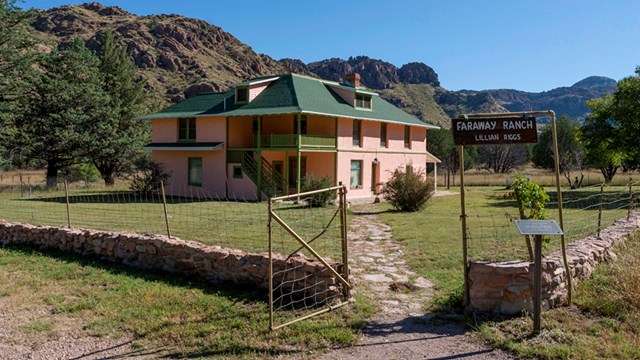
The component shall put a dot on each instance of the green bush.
(148, 177)
(408, 190)
(311, 183)
(81, 172)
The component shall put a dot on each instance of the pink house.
(265, 135)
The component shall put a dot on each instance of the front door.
(293, 168)
(375, 177)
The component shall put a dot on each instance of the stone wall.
(507, 287)
(308, 277)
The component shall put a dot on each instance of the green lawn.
(184, 317)
(233, 224)
(432, 237)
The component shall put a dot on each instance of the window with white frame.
(356, 174)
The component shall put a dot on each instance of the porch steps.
(272, 183)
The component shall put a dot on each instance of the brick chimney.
(353, 78)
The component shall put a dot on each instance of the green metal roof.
(288, 94)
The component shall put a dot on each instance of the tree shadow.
(239, 293)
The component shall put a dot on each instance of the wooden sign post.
(502, 128)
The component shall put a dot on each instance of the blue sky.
(520, 44)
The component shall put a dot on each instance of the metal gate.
(308, 255)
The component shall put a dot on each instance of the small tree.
(530, 197)
(408, 190)
(149, 176)
(570, 149)
(311, 183)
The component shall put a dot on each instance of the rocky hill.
(171, 51)
(180, 56)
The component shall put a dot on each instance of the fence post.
(270, 208)
(164, 206)
(66, 195)
(342, 194)
(630, 198)
(21, 185)
(600, 210)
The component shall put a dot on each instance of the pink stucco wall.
(207, 129)
(177, 163)
(242, 189)
(387, 162)
(164, 130)
(321, 125)
(256, 90)
(321, 164)
(240, 132)
(418, 139)
(278, 124)
(210, 129)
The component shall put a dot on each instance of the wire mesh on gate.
(493, 236)
(308, 252)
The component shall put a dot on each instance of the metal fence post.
(66, 195)
(600, 210)
(270, 209)
(164, 206)
(630, 198)
(342, 193)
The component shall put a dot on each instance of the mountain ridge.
(181, 56)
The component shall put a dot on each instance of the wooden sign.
(498, 130)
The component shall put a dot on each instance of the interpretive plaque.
(538, 227)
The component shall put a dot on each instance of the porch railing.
(291, 140)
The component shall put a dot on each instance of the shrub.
(408, 191)
(81, 172)
(148, 177)
(311, 183)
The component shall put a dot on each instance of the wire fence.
(492, 235)
(194, 215)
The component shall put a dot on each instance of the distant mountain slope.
(171, 51)
(569, 101)
(180, 56)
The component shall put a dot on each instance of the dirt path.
(403, 329)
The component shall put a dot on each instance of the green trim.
(299, 161)
(259, 182)
(226, 158)
(383, 151)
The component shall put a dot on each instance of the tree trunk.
(52, 174)
(108, 173)
(609, 172)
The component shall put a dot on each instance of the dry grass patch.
(603, 323)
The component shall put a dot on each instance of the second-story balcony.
(293, 140)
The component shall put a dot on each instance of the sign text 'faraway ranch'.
(498, 130)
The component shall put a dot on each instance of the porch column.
(435, 177)
(259, 144)
(298, 154)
